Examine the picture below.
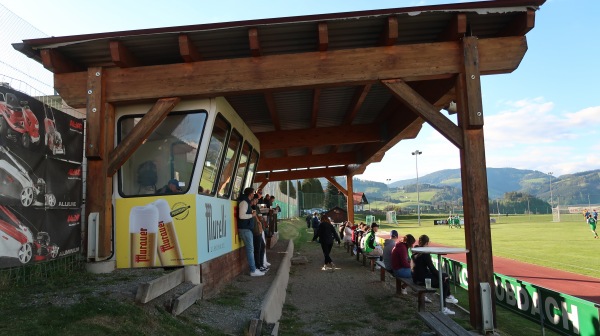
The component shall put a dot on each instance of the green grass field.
(568, 246)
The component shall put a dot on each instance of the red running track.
(581, 286)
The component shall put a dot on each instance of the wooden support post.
(478, 237)
(100, 140)
(341, 189)
(350, 197)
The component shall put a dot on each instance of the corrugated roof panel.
(252, 108)
(333, 105)
(376, 99)
(354, 33)
(284, 39)
(294, 108)
(297, 151)
(224, 43)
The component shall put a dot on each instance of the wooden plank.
(188, 50)
(521, 25)
(150, 290)
(341, 189)
(270, 100)
(478, 238)
(56, 62)
(389, 36)
(473, 83)
(456, 28)
(300, 174)
(435, 324)
(350, 197)
(186, 300)
(307, 161)
(425, 110)
(262, 185)
(121, 56)
(451, 324)
(95, 113)
(323, 36)
(254, 42)
(140, 132)
(106, 226)
(297, 70)
(319, 136)
(360, 94)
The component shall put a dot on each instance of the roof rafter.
(389, 35)
(456, 28)
(254, 42)
(521, 25)
(56, 62)
(307, 161)
(323, 36)
(188, 50)
(121, 56)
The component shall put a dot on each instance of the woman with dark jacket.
(423, 269)
(326, 233)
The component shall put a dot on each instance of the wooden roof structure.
(326, 95)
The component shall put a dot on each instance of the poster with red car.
(41, 150)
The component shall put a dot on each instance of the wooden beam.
(389, 36)
(270, 100)
(359, 98)
(262, 185)
(307, 161)
(341, 189)
(56, 62)
(320, 136)
(315, 108)
(121, 56)
(254, 42)
(300, 174)
(425, 110)
(472, 82)
(297, 70)
(95, 114)
(188, 50)
(323, 36)
(521, 25)
(350, 197)
(140, 132)
(456, 28)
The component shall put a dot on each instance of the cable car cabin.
(175, 197)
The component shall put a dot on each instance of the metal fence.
(34, 273)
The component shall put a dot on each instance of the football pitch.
(568, 246)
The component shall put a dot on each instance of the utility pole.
(416, 153)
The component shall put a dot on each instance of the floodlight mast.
(551, 206)
(416, 153)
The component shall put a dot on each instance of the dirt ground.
(349, 300)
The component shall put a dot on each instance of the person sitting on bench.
(400, 259)
(423, 268)
(388, 246)
(372, 249)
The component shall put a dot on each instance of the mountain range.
(577, 188)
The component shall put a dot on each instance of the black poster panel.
(63, 184)
(29, 235)
(33, 130)
(21, 183)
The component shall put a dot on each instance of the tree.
(312, 193)
(283, 187)
(333, 198)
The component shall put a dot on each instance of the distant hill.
(569, 189)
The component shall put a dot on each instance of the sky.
(544, 116)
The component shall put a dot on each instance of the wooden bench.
(349, 246)
(372, 260)
(419, 291)
(442, 324)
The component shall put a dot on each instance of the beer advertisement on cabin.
(41, 150)
(215, 222)
(156, 231)
(236, 241)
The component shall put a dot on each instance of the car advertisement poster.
(41, 150)
(156, 231)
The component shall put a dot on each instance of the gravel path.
(347, 301)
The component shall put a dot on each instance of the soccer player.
(592, 222)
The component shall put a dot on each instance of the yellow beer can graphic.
(143, 227)
(169, 251)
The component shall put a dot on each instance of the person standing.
(592, 223)
(327, 234)
(258, 241)
(246, 224)
(315, 225)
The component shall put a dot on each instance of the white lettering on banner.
(550, 306)
(535, 307)
(522, 299)
(464, 279)
(215, 229)
(573, 316)
(499, 290)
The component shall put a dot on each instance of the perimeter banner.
(41, 150)
(562, 313)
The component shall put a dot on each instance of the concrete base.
(271, 241)
(192, 274)
(186, 300)
(157, 287)
(272, 306)
(100, 267)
